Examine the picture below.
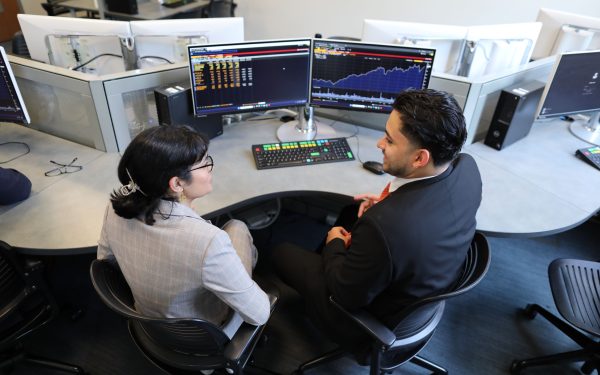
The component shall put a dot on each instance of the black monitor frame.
(574, 88)
(293, 79)
(375, 61)
(12, 106)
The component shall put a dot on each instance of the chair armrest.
(246, 336)
(369, 324)
(243, 340)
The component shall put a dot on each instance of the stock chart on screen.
(361, 76)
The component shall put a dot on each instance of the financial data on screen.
(12, 108)
(365, 77)
(253, 76)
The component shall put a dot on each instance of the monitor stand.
(589, 130)
(305, 128)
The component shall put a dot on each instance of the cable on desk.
(156, 57)
(94, 58)
(18, 156)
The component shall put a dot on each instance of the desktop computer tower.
(174, 107)
(122, 6)
(514, 114)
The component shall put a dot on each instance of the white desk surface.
(147, 10)
(534, 187)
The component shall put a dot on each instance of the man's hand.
(368, 200)
(341, 233)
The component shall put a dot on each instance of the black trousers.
(303, 270)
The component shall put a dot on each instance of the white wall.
(299, 18)
(33, 7)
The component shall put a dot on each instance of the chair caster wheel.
(529, 312)
(588, 367)
(516, 367)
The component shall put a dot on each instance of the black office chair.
(176, 346)
(575, 287)
(25, 306)
(19, 45)
(416, 323)
(53, 8)
(219, 8)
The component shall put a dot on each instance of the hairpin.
(131, 187)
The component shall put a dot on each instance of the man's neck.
(429, 170)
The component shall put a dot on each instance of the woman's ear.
(175, 185)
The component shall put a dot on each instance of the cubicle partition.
(103, 112)
(106, 112)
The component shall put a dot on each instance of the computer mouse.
(373, 166)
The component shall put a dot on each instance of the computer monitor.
(366, 76)
(263, 75)
(563, 32)
(249, 76)
(87, 45)
(447, 40)
(12, 107)
(165, 41)
(574, 88)
(493, 48)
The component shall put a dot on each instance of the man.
(405, 245)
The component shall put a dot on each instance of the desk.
(147, 10)
(534, 187)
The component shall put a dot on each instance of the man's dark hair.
(432, 120)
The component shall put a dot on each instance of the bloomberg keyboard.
(291, 154)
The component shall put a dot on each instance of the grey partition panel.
(130, 98)
(61, 102)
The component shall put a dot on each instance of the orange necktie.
(385, 192)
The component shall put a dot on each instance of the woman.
(176, 263)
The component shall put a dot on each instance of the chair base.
(39, 361)
(589, 354)
(428, 365)
(339, 353)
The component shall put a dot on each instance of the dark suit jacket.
(409, 245)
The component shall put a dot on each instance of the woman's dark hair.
(152, 158)
(432, 120)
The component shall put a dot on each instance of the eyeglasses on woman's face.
(208, 164)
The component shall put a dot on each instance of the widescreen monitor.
(574, 88)
(250, 76)
(365, 76)
(165, 41)
(447, 40)
(564, 31)
(87, 45)
(12, 107)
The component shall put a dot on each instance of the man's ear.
(422, 158)
(175, 185)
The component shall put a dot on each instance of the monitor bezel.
(13, 81)
(548, 87)
(266, 41)
(360, 43)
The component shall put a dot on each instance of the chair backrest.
(417, 322)
(221, 8)
(192, 342)
(25, 303)
(575, 285)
